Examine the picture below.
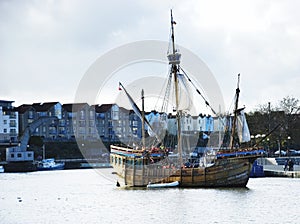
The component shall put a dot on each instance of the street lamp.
(257, 138)
(268, 142)
(288, 145)
(252, 139)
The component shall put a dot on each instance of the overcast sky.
(47, 46)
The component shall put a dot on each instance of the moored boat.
(217, 171)
(1, 169)
(50, 164)
(163, 185)
(229, 166)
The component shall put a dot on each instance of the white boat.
(50, 164)
(163, 185)
(1, 169)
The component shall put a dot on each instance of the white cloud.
(46, 46)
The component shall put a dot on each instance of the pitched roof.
(103, 108)
(124, 110)
(70, 107)
(42, 107)
(23, 108)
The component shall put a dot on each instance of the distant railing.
(80, 160)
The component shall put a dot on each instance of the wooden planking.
(224, 173)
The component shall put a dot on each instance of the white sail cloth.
(242, 128)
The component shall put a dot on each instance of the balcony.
(52, 132)
(12, 116)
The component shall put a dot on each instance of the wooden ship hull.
(223, 172)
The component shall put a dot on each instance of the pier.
(274, 167)
(84, 163)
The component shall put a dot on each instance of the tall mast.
(172, 34)
(174, 60)
(237, 94)
(143, 121)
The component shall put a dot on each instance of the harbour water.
(91, 196)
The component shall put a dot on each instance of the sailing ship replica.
(144, 166)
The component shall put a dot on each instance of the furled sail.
(242, 128)
(184, 93)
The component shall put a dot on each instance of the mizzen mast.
(143, 120)
(174, 61)
(237, 94)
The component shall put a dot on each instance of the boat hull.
(225, 172)
(24, 166)
(56, 167)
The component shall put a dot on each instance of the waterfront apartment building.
(30, 113)
(81, 121)
(108, 122)
(78, 121)
(117, 124)
(9, 126)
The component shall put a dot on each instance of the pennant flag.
(120, 86)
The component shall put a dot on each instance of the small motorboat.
(163, 185)
(50, 164)
(1, 169)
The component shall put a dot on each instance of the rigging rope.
(167, 94)
(197, 90)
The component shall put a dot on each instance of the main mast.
(174, 60)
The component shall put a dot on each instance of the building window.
(12, 155)
(57, 111)
(81, 130)
(19, 155)
(82, 123)
(30, 115)
(92, 116)
(91, 130)
(82, 115)
(52, 130)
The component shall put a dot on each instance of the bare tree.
(289, 105)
